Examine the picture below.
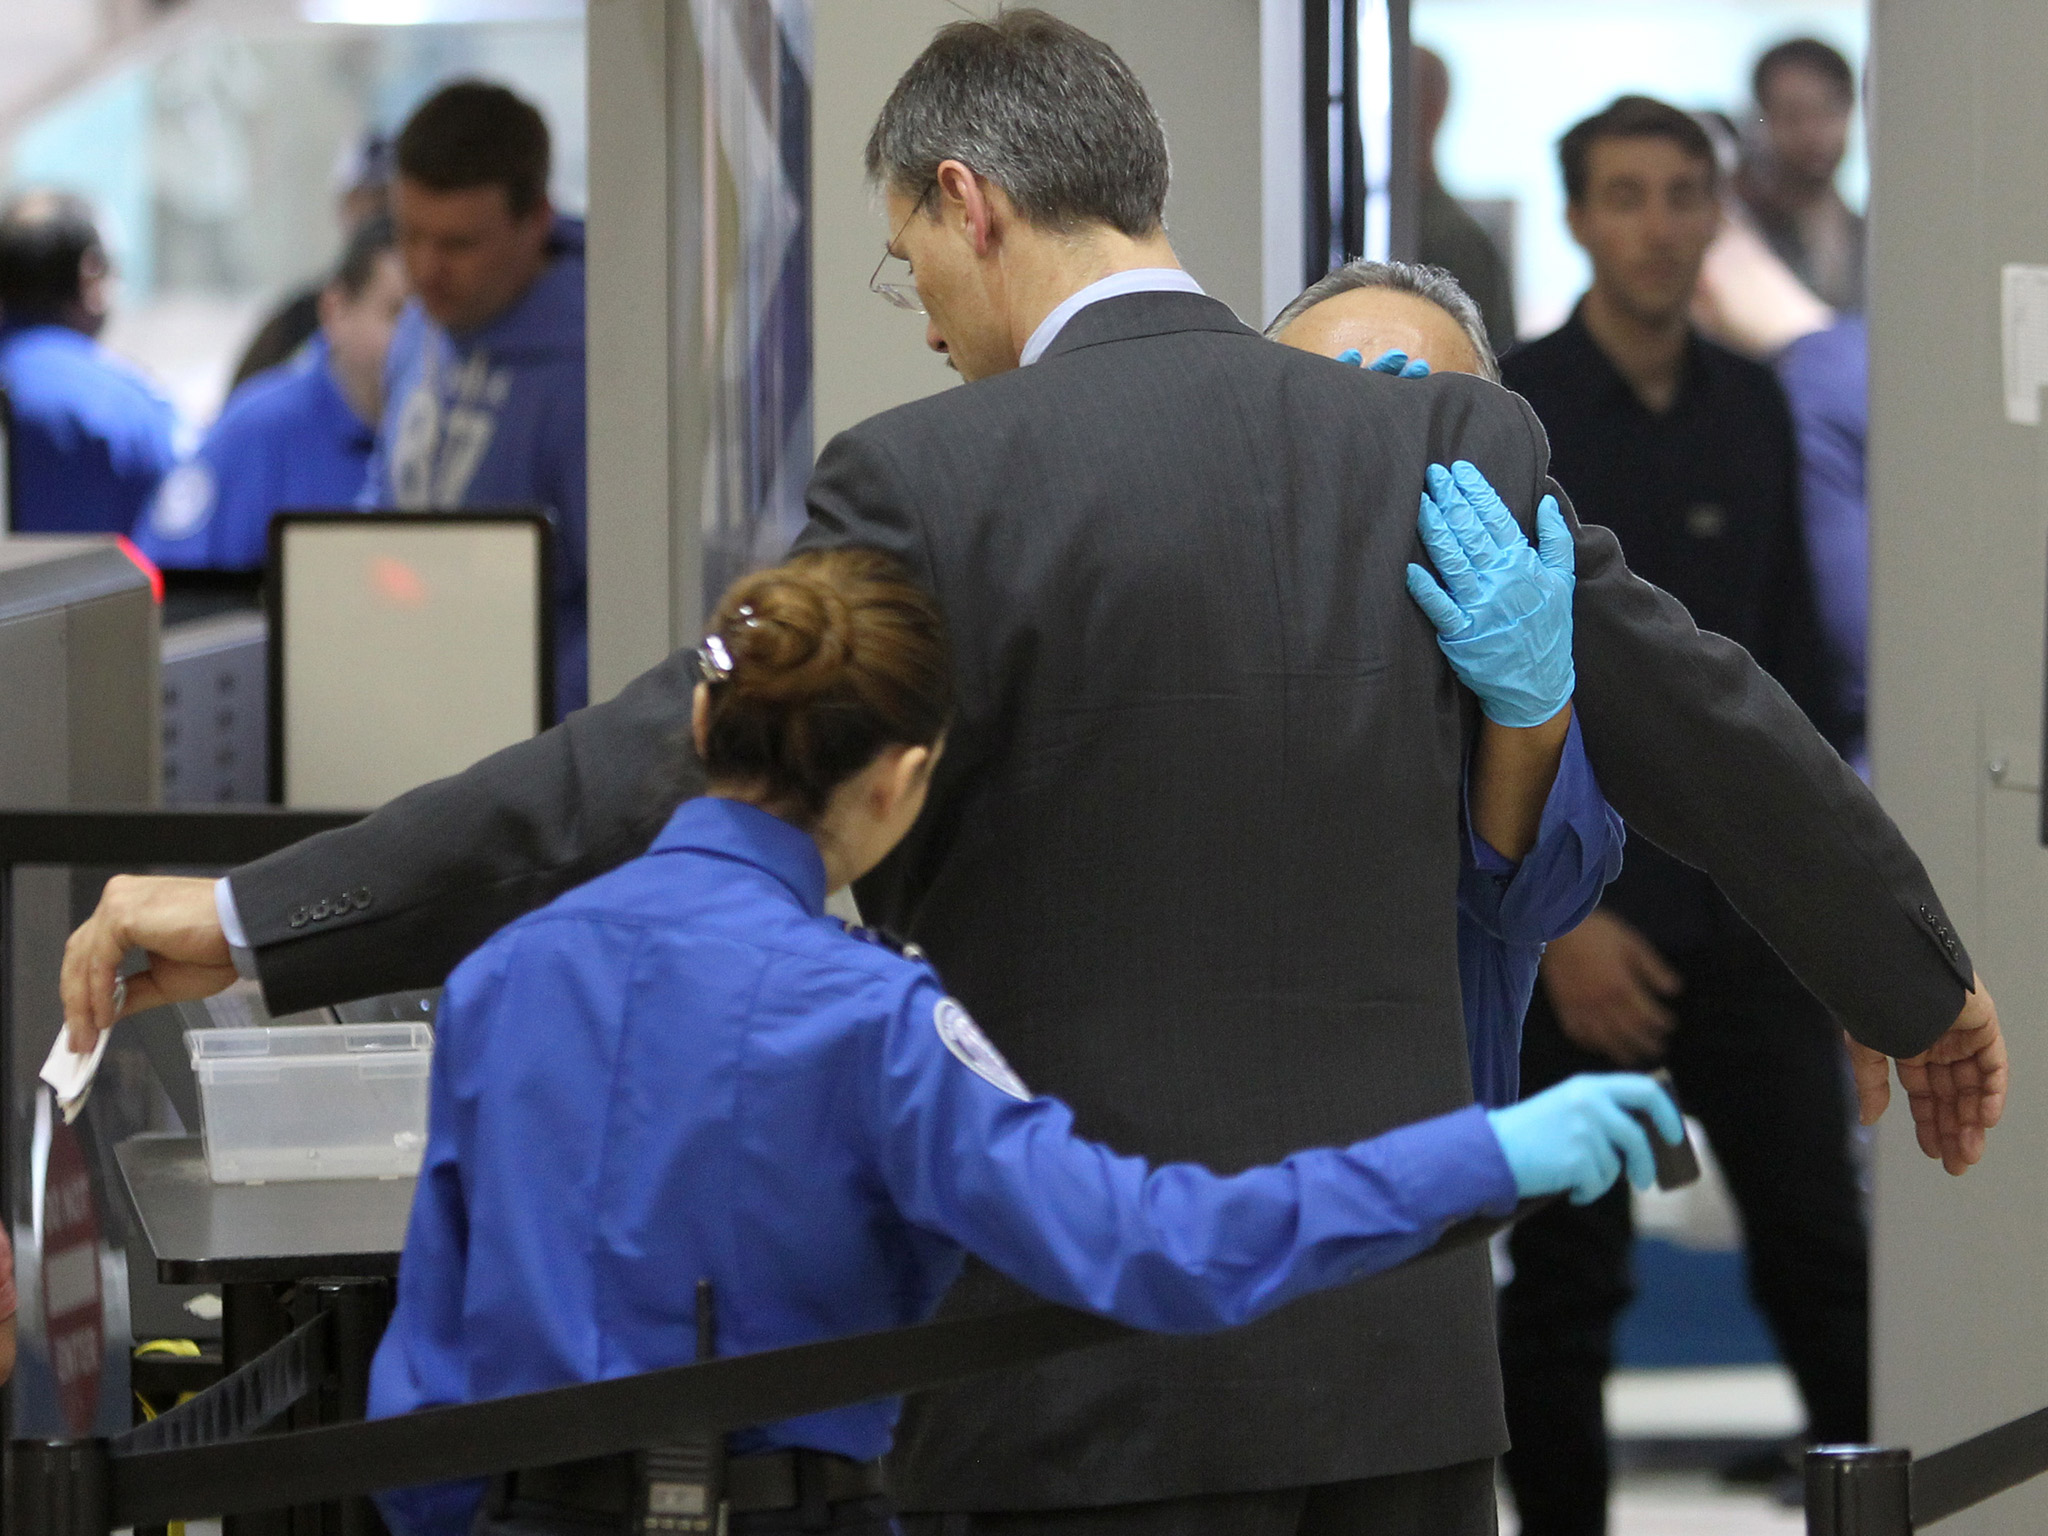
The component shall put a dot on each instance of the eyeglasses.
(902, 295)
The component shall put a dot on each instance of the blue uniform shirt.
(495, 418)
(1508, 912)
(684, 1069)
(91, 438)
(288, 438)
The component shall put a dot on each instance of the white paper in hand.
(70, 1075)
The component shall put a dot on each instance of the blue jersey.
(287, 439)
(1508, 912)
(495, 418)
(91, 438)
(685, 1070)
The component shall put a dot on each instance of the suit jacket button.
(360, 898)
(322, 911)
(298, 918)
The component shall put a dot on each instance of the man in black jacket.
(1191, 854)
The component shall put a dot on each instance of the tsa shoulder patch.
(974, 1050)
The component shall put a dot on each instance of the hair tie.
(714, 661)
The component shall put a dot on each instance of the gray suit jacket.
(1190, 857)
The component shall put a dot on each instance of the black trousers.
(1444, 1501)
(1759, 1063)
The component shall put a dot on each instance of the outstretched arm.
(1178, 1248)
(1710, 759)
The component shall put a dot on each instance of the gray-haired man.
(1192, 854)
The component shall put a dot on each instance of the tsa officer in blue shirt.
(297, 435)
(92, 438)
(685, 1070)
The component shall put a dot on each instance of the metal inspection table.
(280, 1253)
(200, 1232)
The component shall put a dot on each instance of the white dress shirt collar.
(1114, 286)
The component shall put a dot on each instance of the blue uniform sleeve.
(1507, 912)
(1175, 1248)
(212, 513)
(419, 1363)
(1578, 850)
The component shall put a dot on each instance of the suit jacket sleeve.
(427, 878)
(1710, 759)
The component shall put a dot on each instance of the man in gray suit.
(1191, 855)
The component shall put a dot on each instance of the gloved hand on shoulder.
(1393, 361)
(1503, 615)
(1579, 1135)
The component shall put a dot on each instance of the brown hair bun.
(827, 659)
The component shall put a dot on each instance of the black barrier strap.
(605, 1418)
(243, 1402)
(581, 1422)
(1976, 1469)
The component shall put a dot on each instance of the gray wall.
(647, 409)
(1960, 526)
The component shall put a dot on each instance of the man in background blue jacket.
(484, 385)
(91, 437)
(294, 436)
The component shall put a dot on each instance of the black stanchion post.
(60, 1488)
(360, 1309)
(1858, 1490)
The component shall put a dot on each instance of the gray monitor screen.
(406, 648)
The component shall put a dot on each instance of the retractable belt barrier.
(87, 1487)
(1869, 1490)
(244, 1400)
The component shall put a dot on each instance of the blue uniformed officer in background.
(297, 435)
(685, 1071)
(484, 399)
(92, 437)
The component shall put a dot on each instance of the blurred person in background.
(1750, 300)
(7, 1334)
(484, 388)
(1686, 451)
(362, 180)
(296, 435)
(92, 437)
(1805, 95)
(1447, 236)
(1826, 376)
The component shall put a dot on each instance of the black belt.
(770, 1480)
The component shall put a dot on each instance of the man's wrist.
(231, 929)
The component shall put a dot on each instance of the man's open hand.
(171, 918)
(1956, 1088)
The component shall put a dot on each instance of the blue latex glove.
(1393, 361)
(1504, 612)
(1578, 1135)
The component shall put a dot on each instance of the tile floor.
(1694, 1504)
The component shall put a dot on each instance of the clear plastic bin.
(313, 1101)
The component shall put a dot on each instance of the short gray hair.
(1433, 284)
(1043, 110)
